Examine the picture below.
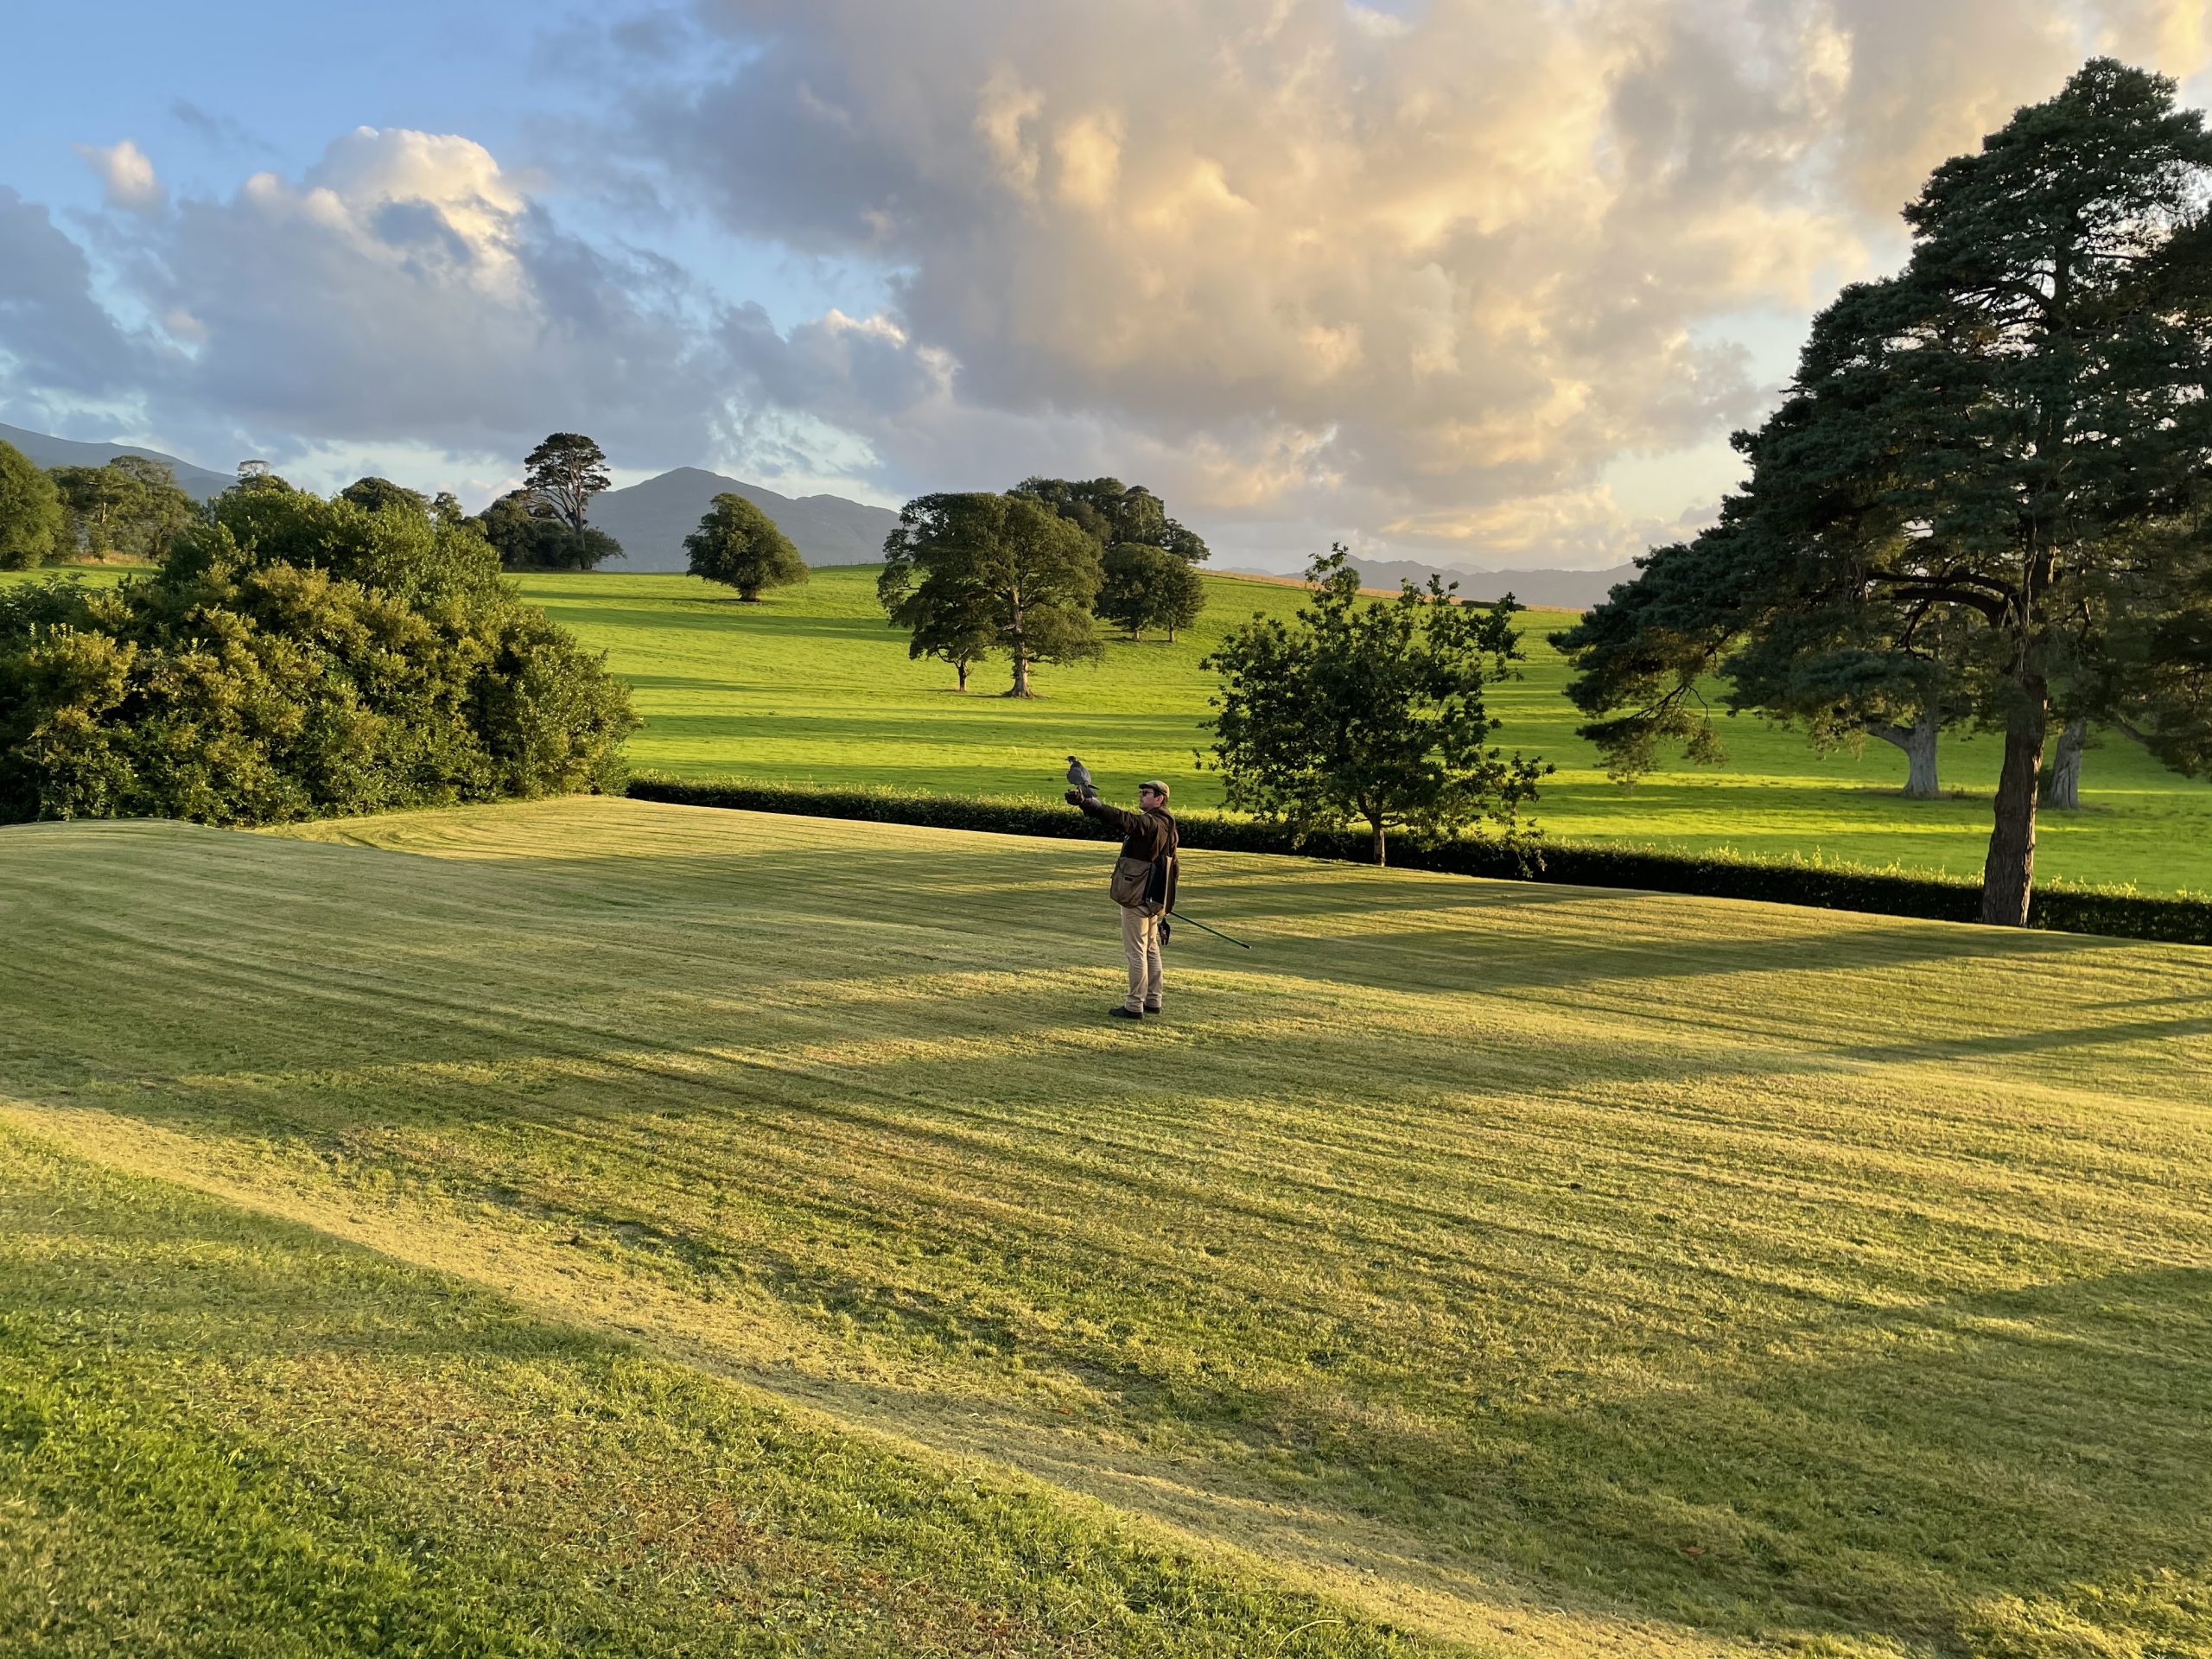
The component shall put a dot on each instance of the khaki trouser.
(1141, 944)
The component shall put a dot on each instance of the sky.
(1483, 282)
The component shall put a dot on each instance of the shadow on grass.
(1808, 1459)
(1964, 1475)
(1967, 1477)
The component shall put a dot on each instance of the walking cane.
(1216, 931)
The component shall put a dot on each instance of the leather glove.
(1073, 797)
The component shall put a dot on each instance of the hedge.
(2116, 912)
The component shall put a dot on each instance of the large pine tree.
(1961, 488)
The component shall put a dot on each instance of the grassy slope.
(813, 685)
(1558, 1270)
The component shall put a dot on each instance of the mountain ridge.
(46, 450)
(652, 518)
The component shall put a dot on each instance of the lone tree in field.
(32, 522)
(739, 545)
(999, 571)
(1370, 710)
(566, 470)
(1960, 484)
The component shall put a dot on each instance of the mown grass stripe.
(1465, 1270)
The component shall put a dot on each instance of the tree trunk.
(962, 667)
(1020, 646)
(1918, 742)
(1379, 848)
(2008, 877)
(2061, 784)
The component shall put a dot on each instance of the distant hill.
(1567, 590)
(1563, 590)
(196, 481)
(652, 519)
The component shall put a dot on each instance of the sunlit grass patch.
(1513, 1264)
(814, 687)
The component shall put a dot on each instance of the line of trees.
(129, 508)
(1031, 572)
(1984, 498)
(132, 508)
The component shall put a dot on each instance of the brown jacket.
(1148, 838)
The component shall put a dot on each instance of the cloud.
(218, 131)
(1425, 273)
(54, 339)
(127, 175)
(405, 291)
(1457, 277)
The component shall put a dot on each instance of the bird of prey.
(1079, 775)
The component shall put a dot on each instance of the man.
(1143, 886)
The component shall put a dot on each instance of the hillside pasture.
(594, 1226)
(813, 687)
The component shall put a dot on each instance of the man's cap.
(1154, 786)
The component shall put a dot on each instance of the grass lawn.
(600, 1227)
(812, 685)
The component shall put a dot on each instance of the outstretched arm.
(1092, 807)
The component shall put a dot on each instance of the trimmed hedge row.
(1722, 875)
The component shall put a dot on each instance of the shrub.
(32, 521)
(295, 659)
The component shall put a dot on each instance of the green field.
(812, 685)
(598, 1227)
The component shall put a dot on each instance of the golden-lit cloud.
(1477, 276)
(126, 175)
(1439, 264)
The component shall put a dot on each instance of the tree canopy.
(567, 470)
(528, 534)
(1985, 484)
(1111, 512)
(967, 573)
(32, 521)
(372, 493)
(297, 657)
(1370, 710)
(739, 545)
(1147, 587)
(1139, 590)
(131, 507)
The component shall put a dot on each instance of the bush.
(31, 517)
(2121, 915)
(295, 658)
